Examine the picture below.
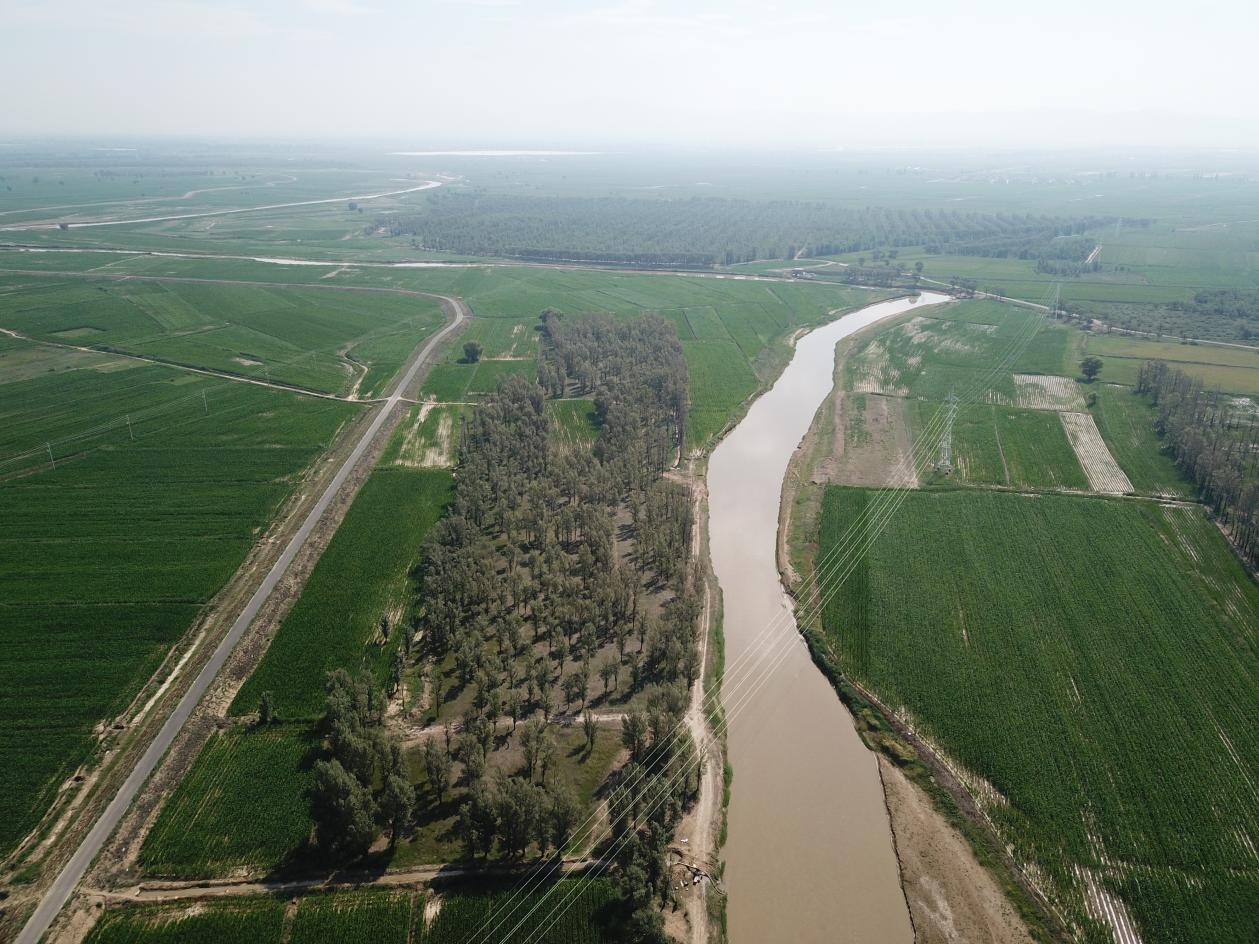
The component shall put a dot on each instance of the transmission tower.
(945, 463)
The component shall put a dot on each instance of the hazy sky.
(518, 72)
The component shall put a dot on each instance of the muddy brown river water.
(809, 854)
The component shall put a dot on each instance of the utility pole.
(205, 403)
(50, 456)
(945, 464)
(130, 431)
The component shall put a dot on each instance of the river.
(809, 853)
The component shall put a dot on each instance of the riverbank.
(957, 881)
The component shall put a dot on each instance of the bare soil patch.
(952, 897)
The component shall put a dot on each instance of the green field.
(317, 338)
(1025, 636)
(1126, 422)
(360, 578)
(368, 917)
(574, 911)
(106, 559)
(248, 921)
(956, 349)
(198, 831)
(742, 324)
(998, 445)
(571, 911)
(1232, 370)
(575, 420)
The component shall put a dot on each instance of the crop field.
(1157, 622)
(376, 916)
(730, 330)
(1126, 422)
(582, 919)
(1104, 473)
(954, 349)
(997, 445)
(367, 917)
(745, 351)
(1046, 392)
(1232, 370)
(107, 559)
(333, 341)
(198, 831)
(427, 438)
(361, 577)
(249, 921)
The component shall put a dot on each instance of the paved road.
(66, 882)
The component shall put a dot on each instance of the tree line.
(1215, 443)
(699, 231)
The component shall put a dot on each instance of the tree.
(397, 800)
(576, 686)
(634, 733)
(531, 738)
(437, 766)
(478, 819)
(1090, 367)
(563, 815)
(591, 728)
(266, 708)
(519, 814)
(344, 811)
(472, 351)
(608, 672)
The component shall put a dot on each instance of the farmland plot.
(1126, 422)
(250, 921)
(1023, 644)
(1099, 465)
(427, 438)
(360, 579)
(570, 911)
(366, 917)
(338, 342)
(108, 558)
(198, 831)
(1046, 392)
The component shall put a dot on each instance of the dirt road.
(67, 880)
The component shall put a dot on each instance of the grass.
(198, 832)
(361, 577)
(106, 560)
(1126, 422)
(435, 839)
(575, 420)
(309, 337)
(1024, 635)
